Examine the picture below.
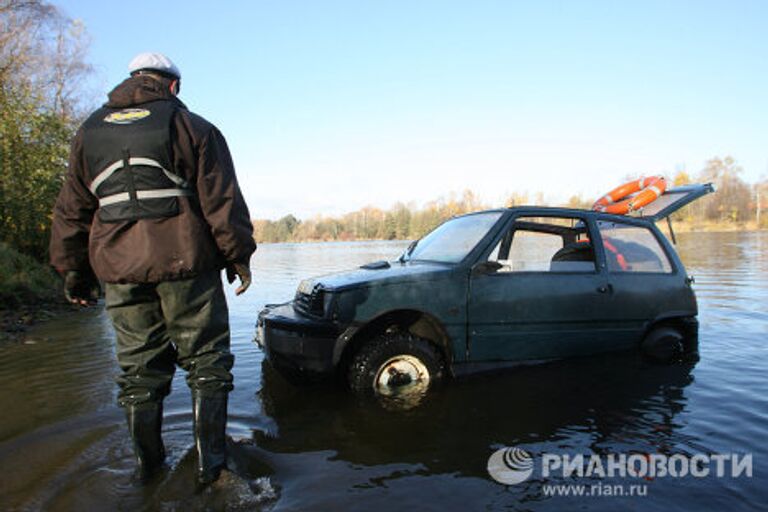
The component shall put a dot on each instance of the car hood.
(377, 274)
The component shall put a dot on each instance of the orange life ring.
(622, 201)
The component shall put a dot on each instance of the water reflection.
(591, 403)
(323, 437)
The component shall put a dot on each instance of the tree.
(402, 221)
(43, 51)
(681, 178)
(285, 227)
(761, 201)
(732, 200)
(517, 199)
(41, 69)
(578, 202)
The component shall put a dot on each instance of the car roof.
(671, 201)
(559, 210)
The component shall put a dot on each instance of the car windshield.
(453, 240)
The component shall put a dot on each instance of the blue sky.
(329, 106)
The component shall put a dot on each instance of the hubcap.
(402, 374)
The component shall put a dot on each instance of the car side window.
(630, 248)
(547, 244)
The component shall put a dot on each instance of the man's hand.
(241, 270)
(81, 288)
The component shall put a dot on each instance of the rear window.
(631, 248)
(661, 203)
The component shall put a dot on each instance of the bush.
(23, 280)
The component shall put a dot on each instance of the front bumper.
(295, 343)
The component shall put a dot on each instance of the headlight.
(310, 298)
(306, 286)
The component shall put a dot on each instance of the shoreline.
(30, 293)
(15, 322)
(678, 226)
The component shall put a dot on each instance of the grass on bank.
(23, 280)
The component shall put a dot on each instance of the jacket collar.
(139, 89)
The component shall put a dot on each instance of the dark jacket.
(213, 227)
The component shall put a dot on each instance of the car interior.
(545, 245)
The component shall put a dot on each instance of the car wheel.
(663, 344)
(395, 364)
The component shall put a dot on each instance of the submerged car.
(489, 289)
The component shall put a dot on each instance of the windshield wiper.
(405, 256)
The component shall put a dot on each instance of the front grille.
(310, 303)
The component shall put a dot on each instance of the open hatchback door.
(674, 199)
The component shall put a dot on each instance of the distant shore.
(711, 227)
(678, 226)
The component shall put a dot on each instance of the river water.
(64, 445)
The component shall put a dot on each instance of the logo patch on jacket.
(127, 115)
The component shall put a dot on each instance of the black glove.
(81, 288)
(241, 270)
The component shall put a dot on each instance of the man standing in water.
(151, 207)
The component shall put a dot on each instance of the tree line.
(735, 204)
(403, 221)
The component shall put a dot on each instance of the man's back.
(151, 204)
(212, 225)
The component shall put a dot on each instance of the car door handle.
(605, 288)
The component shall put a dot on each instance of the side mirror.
(486, 267)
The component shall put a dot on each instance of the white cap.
(155, 62)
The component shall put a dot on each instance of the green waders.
(161, 325)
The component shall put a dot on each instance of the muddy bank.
(30, 292)
(17, 319)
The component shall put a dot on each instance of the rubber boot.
(144, 424)
(210, 418)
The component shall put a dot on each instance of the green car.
(490, 289)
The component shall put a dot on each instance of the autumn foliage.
(735, 205)
(41, 65)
